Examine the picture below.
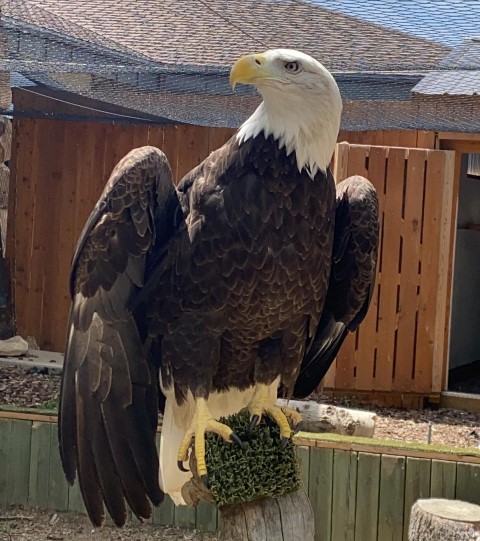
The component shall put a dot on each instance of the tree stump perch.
(444, 520)
(285, 518)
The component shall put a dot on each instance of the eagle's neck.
(307, 127)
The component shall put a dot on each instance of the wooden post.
(444, 520)
(284, 518)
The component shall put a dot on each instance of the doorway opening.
(464, 353)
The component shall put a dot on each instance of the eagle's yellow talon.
(202, 423)
(263, 403)
(293, 416)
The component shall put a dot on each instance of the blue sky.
(446, 21)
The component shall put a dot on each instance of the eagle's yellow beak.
(249, 70)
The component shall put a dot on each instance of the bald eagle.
(206, 298)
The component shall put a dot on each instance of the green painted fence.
(356, 495)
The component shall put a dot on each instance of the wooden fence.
(59, 169)
(359, 491)
(400, 346)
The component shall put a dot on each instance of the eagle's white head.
(301, 105)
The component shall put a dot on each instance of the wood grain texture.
(320, 491)
(368, 486)
(468, 483)
(282, 518)
(417, 485)
(5, 429)
(344, 496)
(409, 275)
(19, 463)
(443, 479)
(40, 452)
(437, 519)
(58, 487)
(392, 486)
(401, 346)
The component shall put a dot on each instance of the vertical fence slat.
(194, 148)
(45, 180)
(58, 487)
(156, 136)
(5, 430)
(443, 479)
(417, 485)
(26, 166)
(303, 455)
(320, 491)
(206, 517)
(64, 201)
(447, 218)
(185, 517)
(141, 133)
(409, 276)
(429, 279)
(218, 136)
(344, 495)
(387, 312)
(164, 514)
(468, 483)
(390, 510)
(39, 465)
(171, 145)
(83, 206)
(19, 462)
(366, 516)
(367, 333)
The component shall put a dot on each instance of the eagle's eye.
(293, 67)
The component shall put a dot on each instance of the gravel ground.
(33, 525)
(451, 427)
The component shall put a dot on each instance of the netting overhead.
(399, 65)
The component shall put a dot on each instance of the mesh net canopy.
(399, 65)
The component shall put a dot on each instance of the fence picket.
(368, 478)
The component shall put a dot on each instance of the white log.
(444, 520)
(324, 418)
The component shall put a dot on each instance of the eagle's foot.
(294, 417)
(262, 403)
(202, 423)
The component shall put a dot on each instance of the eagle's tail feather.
(173, 430)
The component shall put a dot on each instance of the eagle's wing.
(352, 279)
(109, 394)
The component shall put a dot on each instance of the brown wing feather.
(108, 400)
(352, 279)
